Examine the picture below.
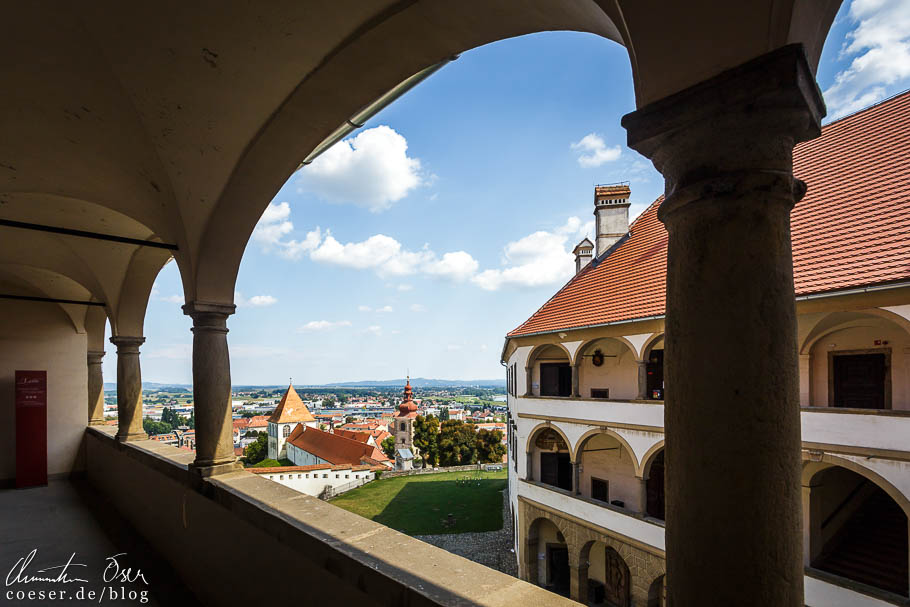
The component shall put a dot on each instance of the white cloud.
(256, 301)
(323, 325)
(364, 309)
(593, 151)
(538, 259)
(458, 266)
(483, 347)
(405, 287)
(385, 309)
(175, 299)
(274, 225)
(418, 308)
(880, 47)
(374, 329)
(371, 170)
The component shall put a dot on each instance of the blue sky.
(447, 220)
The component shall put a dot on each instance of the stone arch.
(648, 458)
(657, 592)
(584, 347)
(144, 267)
(617, 574)
(855, 524)
(385, 53)
(612, 433)
(551, 426)
(809, 471)
(852, 319)
(646, 348)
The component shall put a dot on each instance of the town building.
(590, 372)
(290, 412)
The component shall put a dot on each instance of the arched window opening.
(547, 557)
(656, 505)
(609, 578)
(286, 432)
(857, 531)
(553, 462)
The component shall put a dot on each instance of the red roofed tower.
(404, 421)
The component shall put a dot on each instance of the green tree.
(151, 427)
(191, 422)
(327, 402)
(444, 414)
(169, 417)
(349, 419)
(426, 439)
(457, 444)
(489, 446)
(388, 447)
(258, 451)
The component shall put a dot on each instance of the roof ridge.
(867, 108)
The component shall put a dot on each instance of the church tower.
(404, 421)
(289, 412)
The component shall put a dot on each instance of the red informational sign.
(31, 428)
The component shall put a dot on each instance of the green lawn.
(420, 505)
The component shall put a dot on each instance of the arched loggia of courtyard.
(653, 472)
(550, 371)
(855, 524)
(866, 344)
(606, 367)
(549, 457)
(606, 469)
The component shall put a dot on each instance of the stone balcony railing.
(317, 553)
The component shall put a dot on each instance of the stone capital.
(126, 344)
(94, 356)
(733, 132)
(209, 317)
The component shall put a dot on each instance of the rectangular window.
(555, 379)
(600, 490)
(325, 476)
(860, 380)
(347, 476)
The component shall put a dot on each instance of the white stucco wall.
(314, 482)
(38, 336)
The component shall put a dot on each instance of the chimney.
(584, 252)
(611, 213)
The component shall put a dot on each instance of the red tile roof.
(333, 448)
(852, 228)
(259, 421)
(277, 469)
(291, 409)
(361, 437)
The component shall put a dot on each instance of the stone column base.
(132, 436)
(206, 471)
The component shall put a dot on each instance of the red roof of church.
(333, 448)
(361, 437)
(291, 409)
(852, 228)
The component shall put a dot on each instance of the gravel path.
(490, 548)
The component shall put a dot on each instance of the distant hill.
(420, 382)
(417, 382)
